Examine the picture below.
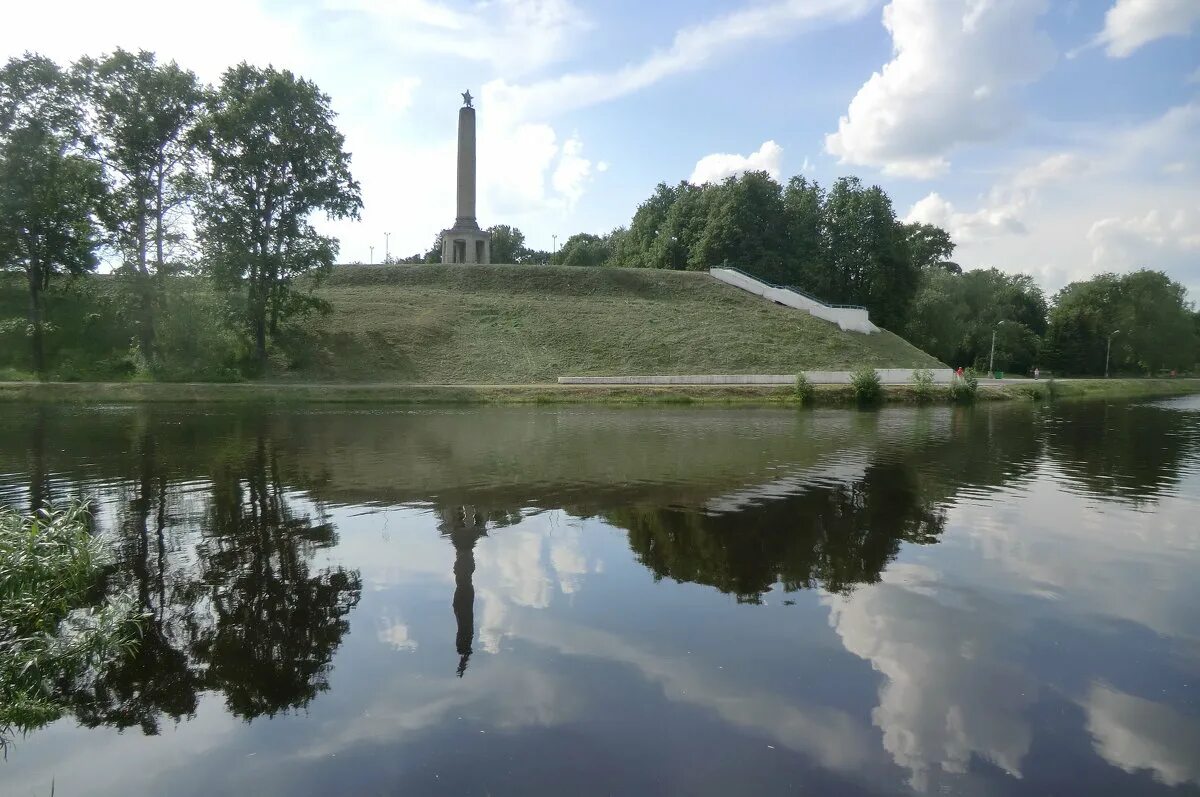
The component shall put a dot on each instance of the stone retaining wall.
(889, 376)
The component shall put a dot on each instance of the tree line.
(134, 161)
(845, 245)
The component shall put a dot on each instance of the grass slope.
(440, 324)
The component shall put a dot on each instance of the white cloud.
(1131, 23)
(513, 36)
(207, 39)
(692, 48)
(948, 693)
(1001, 213)
(1120, 199)
(572, 172)
(1136, 734)
(400, 94)
(1159, 239)
(951, 82)
(716, 167)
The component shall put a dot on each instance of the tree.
(275, 158)
(805, 257)
(1145, 309)
(141, 113)
(648, 223)
(953, 316)
(930, 246)
(745, 226)
(508, 244)
(49, 191)
(584, 249)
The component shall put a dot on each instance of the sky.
(1059, 138)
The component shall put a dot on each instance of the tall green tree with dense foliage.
(49, 191)
(1145, 314)
(275, 158)
(508, 244)
(584, 249)
(140, 114)
(745, 224)
(842, 245)
(954, 315)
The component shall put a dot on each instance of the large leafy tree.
(954, 315)
(49, 191)
(1146, 310)
(275, 159)
(584, 249)
(744, 225)
(141, 113)
(508, 244)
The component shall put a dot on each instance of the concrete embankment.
(744, 394)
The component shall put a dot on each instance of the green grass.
(438, 324)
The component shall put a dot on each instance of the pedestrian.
(959, 372)
(1037, 372)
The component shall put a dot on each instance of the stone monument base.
(466, 244)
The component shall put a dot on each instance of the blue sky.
(1056, 138)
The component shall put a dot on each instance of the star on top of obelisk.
(467, 98)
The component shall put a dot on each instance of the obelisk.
(465, 242)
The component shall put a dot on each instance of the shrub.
(196, 340)
(54, 636)
(964, 388)
(923, 384)
(804, 389)
(867, 387)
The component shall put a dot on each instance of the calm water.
(614, 601)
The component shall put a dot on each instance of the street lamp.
(387, 247)
(554, 248)
(1108, 350)
(992, 356)
(372, 254)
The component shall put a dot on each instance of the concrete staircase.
(849, 317)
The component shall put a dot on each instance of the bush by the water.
(923, 385)
(963, 388)
(805, 391)
(56, 634)
(868, 389)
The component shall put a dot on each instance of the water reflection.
(833, 534)
(232, 601)
(990, 601)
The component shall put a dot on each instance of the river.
(580, 600)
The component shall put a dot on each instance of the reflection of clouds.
(510, 696)
(832, 737)
(947, 694)
(1115, 561)
(395, 633)
(1135, 734)
(522, 567)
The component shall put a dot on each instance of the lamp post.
(387, 247)
(554, 248)
(372, 258)
(1108, 350)
(992, 356)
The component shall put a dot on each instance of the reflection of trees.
(834, 536)
(1115, 450)
(239, 610)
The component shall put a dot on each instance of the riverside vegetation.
(57, 634)
(132, 163)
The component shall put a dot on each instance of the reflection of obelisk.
(464, 526)
(465, 242)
